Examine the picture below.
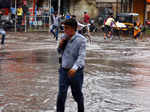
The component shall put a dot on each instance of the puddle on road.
(25, 80)
(119, 77)
(116, 77)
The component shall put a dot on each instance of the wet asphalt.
(117, 74)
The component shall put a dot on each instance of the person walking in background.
(86, 18)
(108, 23)
(55, 25)
(19, 17)
(82, 29)
(52, 10)
(72, 48)
(25, 12)
(25, 9)
(19, 14)
(13, 13)
(137, 30)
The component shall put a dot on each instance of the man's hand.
(71, 72)
(61, 43)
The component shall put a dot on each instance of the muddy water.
(117, 75)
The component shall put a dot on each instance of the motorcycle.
(6, 22)
(92, 26)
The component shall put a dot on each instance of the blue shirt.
(67, 16)
(75, 52)
(13, 10)
(2, 31)
(52, 10)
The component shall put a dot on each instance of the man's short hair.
(71, 22)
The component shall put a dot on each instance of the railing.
(25, 23)
(38, 23)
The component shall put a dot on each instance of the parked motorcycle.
(6, 22)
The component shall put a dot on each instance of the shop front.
(147, 12)
(139, 6)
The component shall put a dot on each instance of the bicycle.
(113, 33)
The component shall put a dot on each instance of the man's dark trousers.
(75, 83)
(3, 39)
(55, 31)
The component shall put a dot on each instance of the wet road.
(117, 75)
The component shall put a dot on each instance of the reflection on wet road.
(117, 75)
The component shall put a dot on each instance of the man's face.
(68, 30)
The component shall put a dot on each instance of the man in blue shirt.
(72, 48)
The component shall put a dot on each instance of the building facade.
(93, 7)
(126, 5)
(147, 10)
(139, 6)
(96, 7)
(143, 8)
